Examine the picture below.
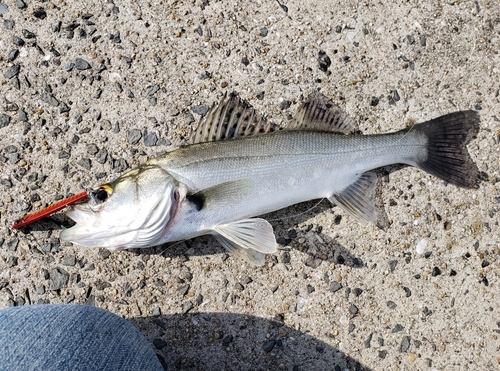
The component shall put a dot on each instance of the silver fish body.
(218, 186)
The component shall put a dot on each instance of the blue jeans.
(71, 337)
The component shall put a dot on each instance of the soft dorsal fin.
(319, 113)
(231, 118)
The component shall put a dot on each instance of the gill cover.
(130, 212)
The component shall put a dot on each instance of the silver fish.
(240, 166)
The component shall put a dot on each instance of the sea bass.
(240, 166)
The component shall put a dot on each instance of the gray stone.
(405, 344)
(187, 307)
(69, 261)
(269, 346)
(22, 116)
(85, 163)
(4, 120)
(150, 138)
(58, 279)
(134, 136)
(49, 98)
(335, 286)
(92, 149)
(11, 72)
(397, 328)
(81, 64)
(200, 110)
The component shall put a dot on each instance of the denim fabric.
(71, 337)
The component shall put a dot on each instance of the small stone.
(12, 55)
(81, 64)
(159, 343)
(324, 61)
(284, 257)
(412, 357)
(183, 290)
(17, 41)
(435, 272)
(28, 34)
(12, 244)
(69, 261)
(245, 61)
(200, 110)
(263, 32)
(382, 354)
(310, 289)
(187, 307)
(49, 98)
(58, 279)
(228, 339)
(4, 120)
(269, 346)
(397, 328)
(392, 265)
(367, 342)
(353, 309)
(20, 4)
(407, 292)
(40, 13)
(92, 149)
(391, 304)
(405, 344)
(22, 116)
(11, 72)
(374, 101)
(285, 104)
(134, 136)
(423, 41)
(335, 286)
(260, 95)
(357, 291)
(150, 138)
(85, 163)
(153, 89)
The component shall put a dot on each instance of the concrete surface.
(338, 295)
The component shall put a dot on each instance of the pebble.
(92, 149)
(12, 55)
(397, 328)
(159, 343)
(324, 61)
(20, 4)
(269, 345)
(407, 292)
(405, 344)
(11, 72)
(187, 307)
(435, 272)
(392, 265)
(49, 98)
(335, 286)
(28, 34)
(4, 120)
(285, 104)
(134, 136)
(40, 13)
(85, 163)
(353, 309)
(391, 304)
(69, 261)
(310, 289)
(153, 89)
(150, 138)
(263, 32)
(4, 9)
(183, 290)
(245, 61)
(81, 64)
(58, 279)
(8, 24)
(200, 110)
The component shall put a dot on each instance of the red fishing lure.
(49, 210)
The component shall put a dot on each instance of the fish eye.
(101, 195)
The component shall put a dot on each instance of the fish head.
(133, 211)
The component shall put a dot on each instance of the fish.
(238, 166)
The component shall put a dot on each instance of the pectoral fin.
(222, 195)
(249, 239)
(358, 200)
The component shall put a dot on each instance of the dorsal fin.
(231, 118)
(319, 113)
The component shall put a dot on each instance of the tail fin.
(447, 155)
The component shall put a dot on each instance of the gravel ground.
(90, 89)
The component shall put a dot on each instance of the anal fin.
(358, 199)
(248, 239)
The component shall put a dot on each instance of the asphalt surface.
(90, 89)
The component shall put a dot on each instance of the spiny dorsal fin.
(231, 118)
(319, 113)
(358, 199)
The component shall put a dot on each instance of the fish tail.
(447, 156)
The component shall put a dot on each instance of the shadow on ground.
(225, 341)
